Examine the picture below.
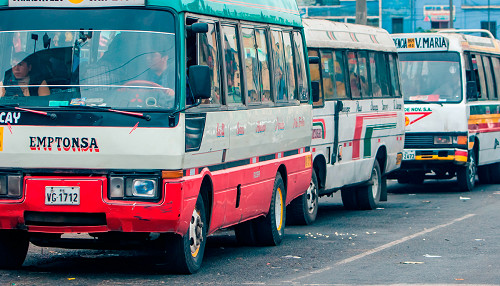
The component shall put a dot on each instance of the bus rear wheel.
(13, 248)
(188, 250)
(303, 210)
(270, 230)
(466, 175)
(369, 196)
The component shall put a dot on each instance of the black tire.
(369, 196)
(303, 209)
(13, 248)
(349, 198)
(484, 174)
(187, 251)
(466, 175)
(270, 230)
(245, 233)
(494, 171)
(383, 191)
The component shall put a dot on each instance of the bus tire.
(369, 196)
(13, 248)
(466, 175)
(303, 209)
(484, 174)
(349, 198)
(270, 229)
(245, 233)
(494, 172)
(188, 250)
(383, 190)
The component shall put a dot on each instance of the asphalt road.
(429, 234)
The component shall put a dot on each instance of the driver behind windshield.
(21, 80)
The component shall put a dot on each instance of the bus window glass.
(393, 66)
(340, 75)
(301, 67)
(374, 77)
(315, 76)
(353, 74)
(230, 43)
(383, 73)
(363, 74)
(290, 67)
(251, 65)
(419, 72)
(327, 73)
(278, 66)
(489, 77)
(496, 71)
(265, 79)
(479, 70)
(209, 57)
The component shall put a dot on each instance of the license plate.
(409, 155)
(62, 195)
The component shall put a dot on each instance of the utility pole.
(451, 14)
(361, 12)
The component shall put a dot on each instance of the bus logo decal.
(220, 130)
(318, 129)
(75, 144)
(358, 129)
(416, 116)
(240, 130)
(260, 128)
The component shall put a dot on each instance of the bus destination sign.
(75, 3)
(421, 43)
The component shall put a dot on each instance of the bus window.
(363, 74)
(480, 77)
(327, 73)
(374, 77)
(352, 62)
(233, 77)
(381, 62)
(301, 67)
(496, 71)
(340, 75)
(489, 78)
(290, 67)
(279, 68)
(251, 65)
(315, 77)
(393, 65)
(208, 56)
(265, 79)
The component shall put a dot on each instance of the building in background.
(406, 16)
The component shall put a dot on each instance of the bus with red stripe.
(151, 124)
(358, 126)
(451, 84)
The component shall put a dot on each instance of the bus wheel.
(270, 229)
(484, 174)
(245, 233)
(303, 210)
(466, 175)
(188, 250)
(13, 248)
(369, 196)
(349, 198)
(494, 172)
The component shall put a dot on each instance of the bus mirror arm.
(472, 90)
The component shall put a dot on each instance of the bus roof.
(447, 40)
(329, 34)
(280, 12)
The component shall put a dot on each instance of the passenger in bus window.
(21, 81)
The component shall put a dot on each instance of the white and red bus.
(152, 123)
(358, 125)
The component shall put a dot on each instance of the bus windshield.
(431, 77)
(116, 65)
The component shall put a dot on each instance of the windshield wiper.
(105, 108)
(423, 101)
(16, 107)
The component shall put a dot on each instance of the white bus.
(451, 85)
(358, 124)
(151, 123)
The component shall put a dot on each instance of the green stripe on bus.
(367, 152)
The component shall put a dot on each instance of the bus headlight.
(442, 140)
(10, 186)
(144, 188)
(130, 188)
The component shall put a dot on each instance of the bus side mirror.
(198, 28)
(199, 82)
(315, 90)
(313, 60)
(472, 90)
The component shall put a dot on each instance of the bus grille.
(419, 141)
